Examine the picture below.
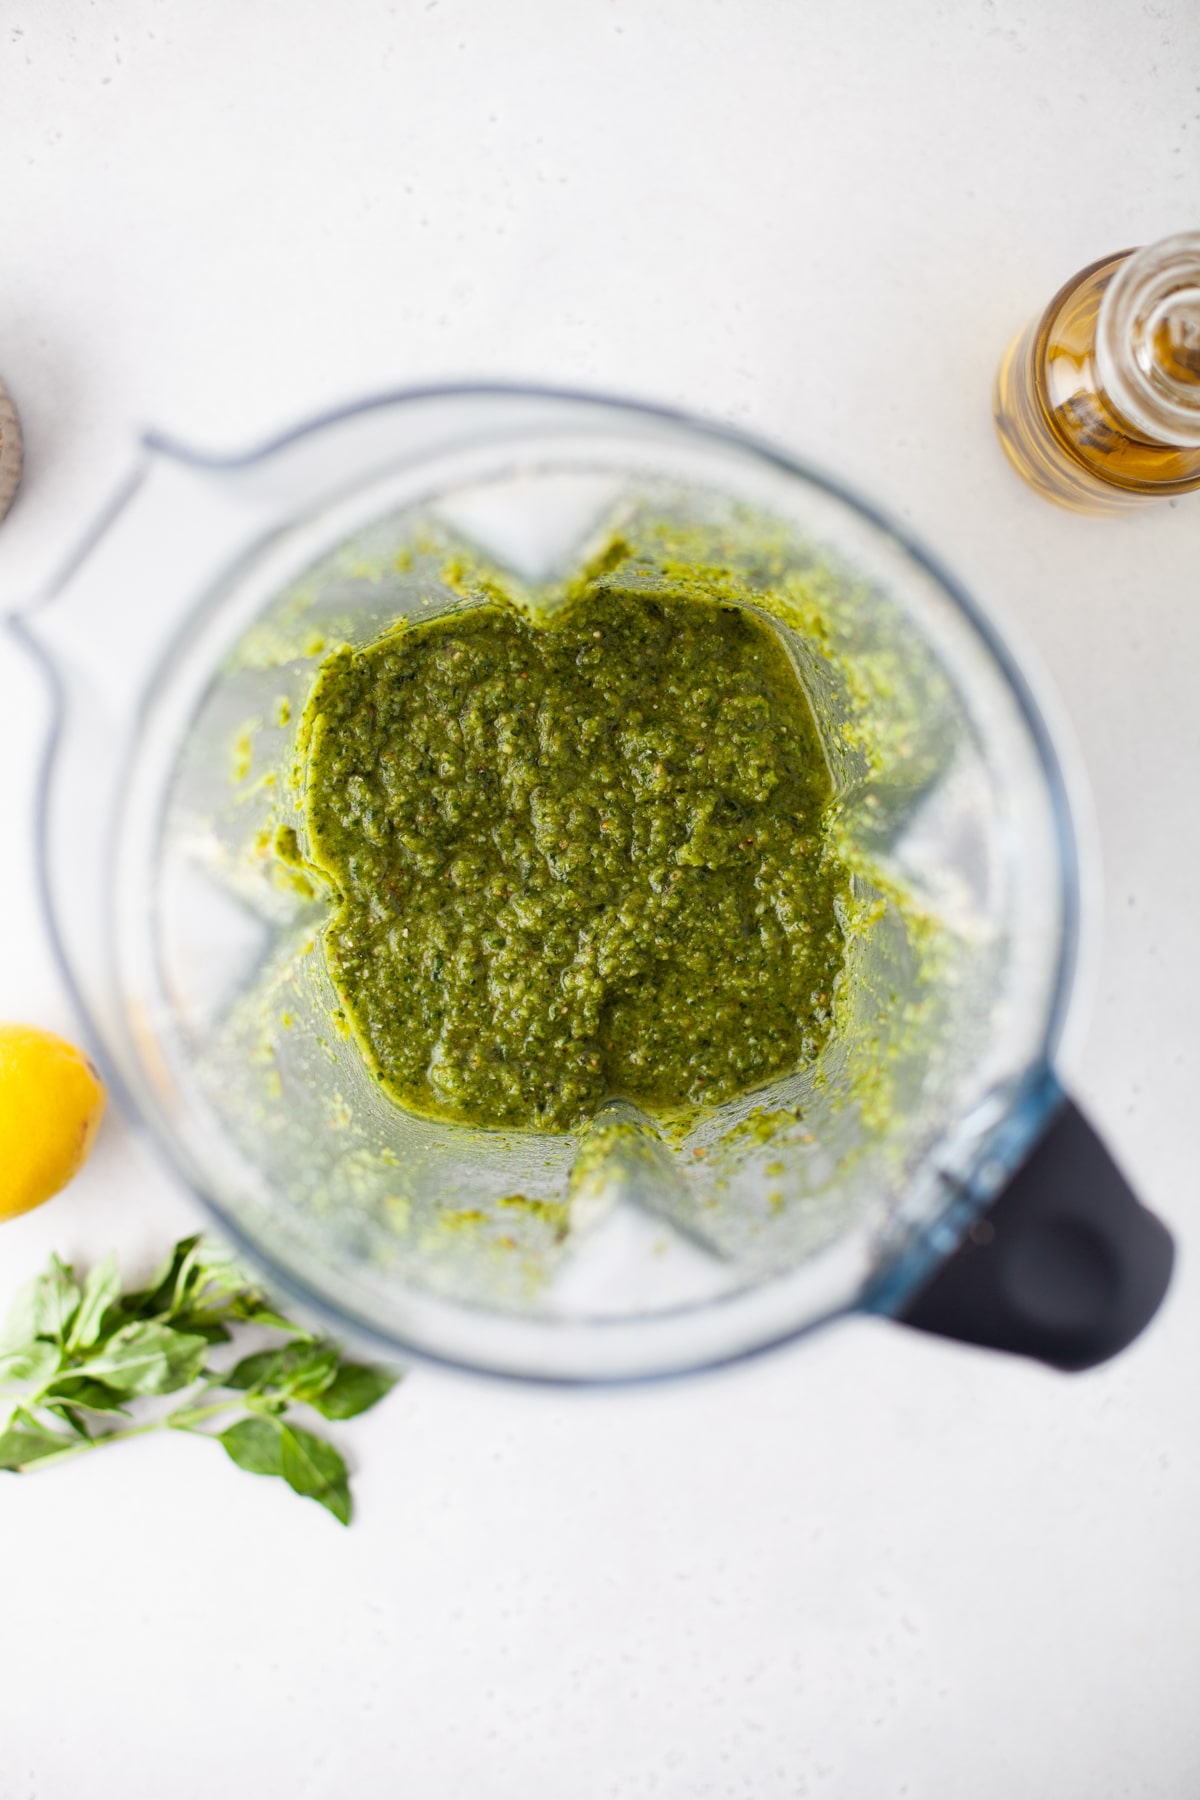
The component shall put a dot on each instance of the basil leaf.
(299, 1370)
(34, 1362)
(314, 1373)
(355, 1388)
(266, 1446)
(267, 1403)
(156, 1299)
(55, 1299)
(89, 1350)
(189, 1279)
(147, 1358)
(254, 1371)
(315, 1469)
(254, 1309)
(218, 1275)
(205, 1325)
(100, 1290)
(26, 1441)
(255, 1445)
(336, 1499)
(20, 1327)
(78, 1390)
(70, 1417)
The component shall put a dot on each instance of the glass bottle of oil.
(1097, 403)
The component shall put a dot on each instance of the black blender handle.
(1066, 1265)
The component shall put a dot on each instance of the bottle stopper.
(12, 454)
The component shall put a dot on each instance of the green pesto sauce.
(575, 859)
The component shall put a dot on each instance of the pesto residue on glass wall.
(576, 856)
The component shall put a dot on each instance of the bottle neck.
(1148, 341)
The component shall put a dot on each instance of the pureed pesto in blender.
(577, 857)
(490, 1180)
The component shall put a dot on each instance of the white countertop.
(870, 1566)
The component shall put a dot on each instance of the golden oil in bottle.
(1097, 403)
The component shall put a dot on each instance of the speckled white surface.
(873, 1566)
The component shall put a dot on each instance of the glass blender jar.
(928, 1166)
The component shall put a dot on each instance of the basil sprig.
(84, 1356)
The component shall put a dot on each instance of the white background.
(873, 1565)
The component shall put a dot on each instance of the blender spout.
(158, 544)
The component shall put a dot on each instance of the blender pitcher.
(927, 1166)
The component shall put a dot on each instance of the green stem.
(84, 1444)
(185, 1420)
(189, 1416)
